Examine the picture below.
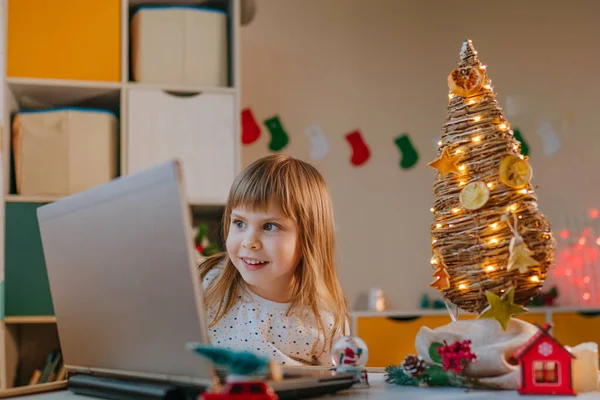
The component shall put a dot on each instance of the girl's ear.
(299, 254)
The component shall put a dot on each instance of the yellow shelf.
(15, 198)
(33, 319)
(32, 389)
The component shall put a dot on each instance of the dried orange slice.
(474, 195)
(465, 81)
(515, 172)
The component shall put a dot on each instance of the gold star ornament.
(502, 308)
(445, 163)
(520, 256)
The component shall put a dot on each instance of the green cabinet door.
(26, 288)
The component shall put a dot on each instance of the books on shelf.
(52, 371)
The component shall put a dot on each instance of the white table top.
(378, 390)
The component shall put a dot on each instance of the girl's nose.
(251, 242)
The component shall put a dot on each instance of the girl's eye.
(239, 224)
(270, 227)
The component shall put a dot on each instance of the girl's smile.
(253, 264)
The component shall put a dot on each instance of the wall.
(381, 67)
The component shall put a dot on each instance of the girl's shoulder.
(212, 275)
(328, 319)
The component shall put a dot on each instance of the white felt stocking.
(318, 142)
(549, 137)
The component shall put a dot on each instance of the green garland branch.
(447, 369)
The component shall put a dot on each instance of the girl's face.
(263, 246)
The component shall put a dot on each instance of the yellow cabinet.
(572, 328)
(533, 318)
(64, 39)
(390, 339)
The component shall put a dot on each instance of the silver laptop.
(125, 288)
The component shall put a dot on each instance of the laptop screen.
(123, 280)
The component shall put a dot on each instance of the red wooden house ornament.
(545, 365)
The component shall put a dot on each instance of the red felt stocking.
(360, 151)
(250, 128)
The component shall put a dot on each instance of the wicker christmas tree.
(491, 245)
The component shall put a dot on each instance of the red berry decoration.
(456, 356)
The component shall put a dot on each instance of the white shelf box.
(62, 151)
(180, 45)
(198, 129)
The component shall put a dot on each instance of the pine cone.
(413, 366)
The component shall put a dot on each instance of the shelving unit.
(28, 330)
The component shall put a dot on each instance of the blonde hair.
(301, 193)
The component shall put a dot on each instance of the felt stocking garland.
(409, 153)
(279, 137)
(250, 128)
(318, 142)
(360, 150)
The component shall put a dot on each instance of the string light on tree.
(499, 242)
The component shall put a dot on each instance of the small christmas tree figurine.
(247, 373)
(488, 234)
(240, 364)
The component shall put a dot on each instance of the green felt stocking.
(409, 153)
(279, 137)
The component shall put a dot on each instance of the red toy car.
(243, 390)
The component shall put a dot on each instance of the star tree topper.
(502, 308)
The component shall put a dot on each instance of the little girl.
(275, 290)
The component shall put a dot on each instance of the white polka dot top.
(261, 326)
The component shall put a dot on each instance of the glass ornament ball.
(349, 351)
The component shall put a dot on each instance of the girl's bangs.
(260, 194)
